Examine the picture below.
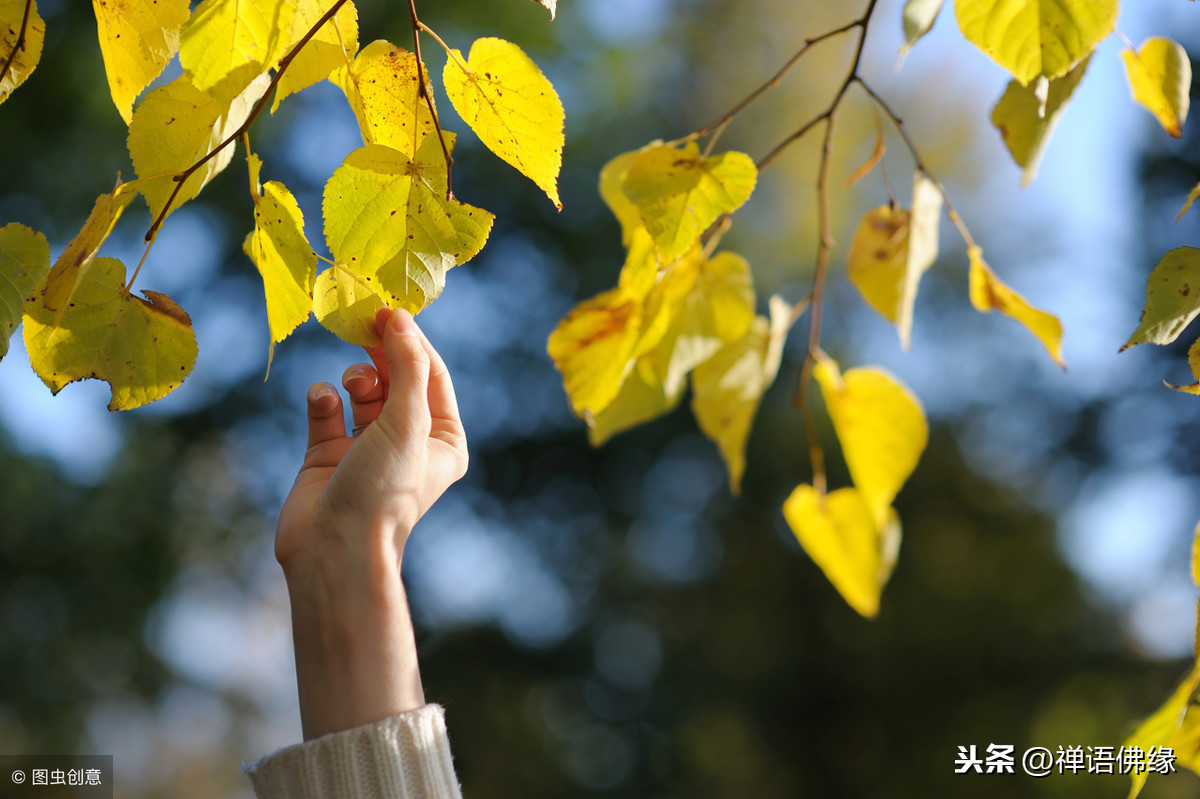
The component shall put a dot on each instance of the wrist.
(355, 648)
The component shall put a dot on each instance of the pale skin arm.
(344, 526)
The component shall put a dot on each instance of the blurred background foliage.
(612, 622)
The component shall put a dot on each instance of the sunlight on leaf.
(1032, 38)
(223, 36)
(728, 387)
(24, 262)
(1172, 298)
(679, 193)
(198, 122)
(989, 293)
(106, 211)
(881, 427)
(387, 219)
(1026, 121)
(138, 38)
(345, 303)
(612, 178)
(143, 348)
(382, 88)
(877, 257)
(839, 533)
(280, 250)
(1160, 74)
(549, 5)
(512, 108)
(26, 59)
(592, 346)
(323, 53)
(642, 398)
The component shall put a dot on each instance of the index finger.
(382, 317)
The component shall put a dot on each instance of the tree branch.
(284, 63)
(19, 44)
(423, 90)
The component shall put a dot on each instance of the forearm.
(356, 657)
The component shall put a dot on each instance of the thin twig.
(19, 44)
(254, 112)
(721, 121)
(918, 161)
(423, 89)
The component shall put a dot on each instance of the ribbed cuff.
(401, 757)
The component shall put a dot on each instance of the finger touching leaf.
(1172, 298)
(143, 348)
(512, 108)
(1160, 74)
(839, 533)
(345, 303)
(989, 293)
(24, 262)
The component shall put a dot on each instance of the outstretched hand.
(343, 527)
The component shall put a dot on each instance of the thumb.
(408, 365)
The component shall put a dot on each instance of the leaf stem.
(245, 126)
(449, 50)
(423, 88)
(19, 44)
(918, 161)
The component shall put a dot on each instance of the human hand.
(343, 528)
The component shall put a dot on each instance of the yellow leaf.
(642, 397)
(323, 53)
(679, 193)
(143, 348)
(874, 158)
(876, 261)
(223, 36)
(512, 108)
(612, 177)
(1194, 363)
(24, 262)
(988, 293)
(1026, 121)
(640, 270)
(839, 533)
(1032, 38)
(1193, 195)
(727, 388)
(346, 303)
(1172, 298)
(919, 16)
(383, 90)
(100, 222)
(198, 122)
(1185, 741)
(387, 219)
(137, 39)
(280, 250)
(923, 225)
(592, 346)
(1160, 75)
(25, 60)
(881, 427)
(1158, 730)
(698, 306)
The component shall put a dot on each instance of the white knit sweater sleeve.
(402, 757)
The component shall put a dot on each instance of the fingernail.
(356, 374)
(321, 390)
